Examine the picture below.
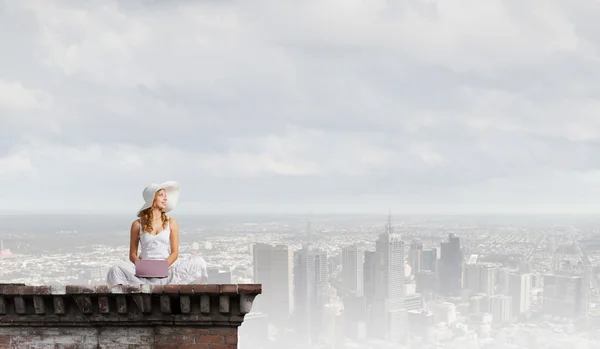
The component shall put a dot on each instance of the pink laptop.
(152, 268)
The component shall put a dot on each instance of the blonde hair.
(147, 217)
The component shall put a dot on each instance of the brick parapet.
(155, 314)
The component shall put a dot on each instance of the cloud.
(356, 105)
(14, 96)
(13, 166)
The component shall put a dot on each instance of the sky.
(280, 106)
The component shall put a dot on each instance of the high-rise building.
(488, 279)
(445, 312)
(476, 304)
(369, 286)
(311, 286)
(273, 268)
(565, 295)
(353, 259)
(355, 317)
(388, 313)
(472, 277)
(450, 267)
(519, 285)
(426, 281)
(413, 302)
(430, 259)
(370, 271)
(501, 308)
(503, 281)
(415, 256)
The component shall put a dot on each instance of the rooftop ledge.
(145, 305)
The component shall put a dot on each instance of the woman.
(158, 236)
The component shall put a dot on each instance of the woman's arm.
(174, 241)
(134, 240)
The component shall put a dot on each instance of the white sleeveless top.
(155, 246)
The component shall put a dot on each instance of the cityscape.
(395, 174)
(365, 282)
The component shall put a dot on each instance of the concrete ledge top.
(214, 289)
(76, 305)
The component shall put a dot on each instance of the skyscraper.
(450, 267)
(388, 310)
(369, 275)
(519, 285)
(429, 259)
(311, 287)
(273, 268)
(565, 295)
(416, 256)
(472, 277)
(501, 308)
(352, 270)
(488, 279)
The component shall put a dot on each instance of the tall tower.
(450, 267)
(309, 235)
(488, 279)
(272, 267)
(416, 256)
(352, 270)
(519, 286)
(310, 291)
(388, 309)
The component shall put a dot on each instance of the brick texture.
(131, 317)
(165, 337)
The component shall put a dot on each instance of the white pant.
(188, 271)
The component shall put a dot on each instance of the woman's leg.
(189, 271)
(123, 274)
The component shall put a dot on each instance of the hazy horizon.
(549, 214)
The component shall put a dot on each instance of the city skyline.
(372, 283)
(382, 174)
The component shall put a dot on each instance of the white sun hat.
(171, 189)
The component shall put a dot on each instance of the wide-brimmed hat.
(171, 189)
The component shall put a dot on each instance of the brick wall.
(186, 316)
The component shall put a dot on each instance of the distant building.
(445, 312)
(415, 257)
(369, 275)
(450, 267)
(476, 305)
(273, 268)
(472, 280)
(501, 308)
(217, 275)
(536, 281)
(413, 302)
(566, 296)
(520, 291)
(353, 259)
(488, 279)
(426, 281)
(355, 315)
(504, 281)
(429, 260)
(311, 286)
(387, 313)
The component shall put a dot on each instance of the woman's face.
(160, 199)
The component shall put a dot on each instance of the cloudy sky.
(421, 106)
